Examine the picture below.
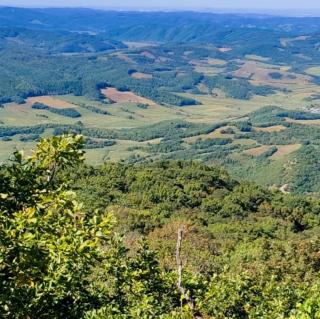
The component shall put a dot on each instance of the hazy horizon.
(249, 6)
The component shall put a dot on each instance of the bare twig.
(178, 259)
(180, 268)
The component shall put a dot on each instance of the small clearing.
(140, 75)
(270, 129)
(212, 61)
(304, 122)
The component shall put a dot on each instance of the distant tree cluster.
(68, 112)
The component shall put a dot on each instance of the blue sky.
(174, 4)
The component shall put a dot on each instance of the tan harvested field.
(275, 128)
(50, 101)
(215, 134)
(249, 67)
(304, 122)
(259, 73)
(140, 75)
(122, 97)
(244, 141)
(148, 54)
(284, 150)
(208, 69)
(212, 61)
(257, 58)
(208, 66)
(124, 57)
(257, 150)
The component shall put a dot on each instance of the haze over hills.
(309, 6)
(89, 19)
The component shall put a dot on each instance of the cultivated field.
(140, 75)
(262, 73)
(121, 97)
(284, 150)
(274, 128)
(257, 151)
(50, 101)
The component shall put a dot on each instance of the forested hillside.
(163, 22)
(245, 252)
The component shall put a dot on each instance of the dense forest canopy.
(246, 252)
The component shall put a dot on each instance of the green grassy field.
(215, 107)
(313, 71)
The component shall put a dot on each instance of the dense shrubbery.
(247, 252)
(273, 115)
(94, 109)
(166, 146)
(91, 144)
(69, 112)
(206, 144)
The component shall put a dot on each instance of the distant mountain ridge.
(155, 26)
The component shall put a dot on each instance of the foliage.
(48, 245)
(69, 112)
(247, 252)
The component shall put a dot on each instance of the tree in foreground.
(57, 261)
(48, 247)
